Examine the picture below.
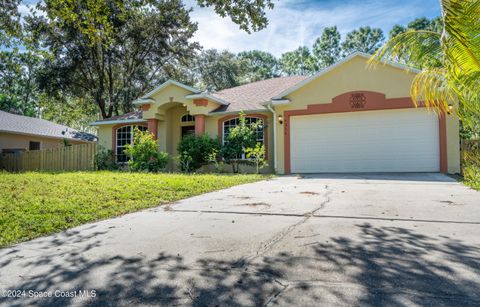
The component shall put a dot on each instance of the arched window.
(188, 118)
(124, 136)
(231, 123)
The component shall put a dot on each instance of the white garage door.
(367, 141)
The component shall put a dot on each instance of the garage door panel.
(367, 141)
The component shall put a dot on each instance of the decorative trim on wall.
(200, 102)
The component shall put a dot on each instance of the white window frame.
(186, 117)
(130, 139)
(248, 124)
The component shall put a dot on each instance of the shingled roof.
(20, 124)
(251, 96)
(130, 116)
(247, 97)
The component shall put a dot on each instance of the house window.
(249, 121)
(124, 136)
(33, 145)
(188, 118)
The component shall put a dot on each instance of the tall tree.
(9, 21)
(260, 65)
(364, 39)
(248, 14)
(298, 62)
(218, 70)
(74, 112)
(326, 48)
(18, 86)
(110, 51)
(453, 79)
(422, 23)
(419, 24)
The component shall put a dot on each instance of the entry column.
(199, 124)
(153, 127)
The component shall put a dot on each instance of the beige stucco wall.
(354, 75)
(453, 144)
(104, 133)
(350, 76)
(20, 141)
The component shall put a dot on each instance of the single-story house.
(346, 118)
(19, 133)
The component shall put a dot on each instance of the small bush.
(257, 156)
(239, 139)
(105, 160)
(195, 151)
(144, 153)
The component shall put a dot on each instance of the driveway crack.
(270, 243)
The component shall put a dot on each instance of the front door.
(187, 130)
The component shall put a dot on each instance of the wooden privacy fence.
(68, 158)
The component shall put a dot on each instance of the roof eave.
(209, 97)
(237, 112)
(49, 136)
(167, 83)
(118, 121)
(142, 101)
(276, 102)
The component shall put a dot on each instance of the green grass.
(37, 204)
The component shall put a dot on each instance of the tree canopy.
(364, 39)
(327, 49)
(111, 65)
(72, 60)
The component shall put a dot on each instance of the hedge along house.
(346, 118)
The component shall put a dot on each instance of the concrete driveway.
(410, 239)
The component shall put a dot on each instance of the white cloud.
(292, 25)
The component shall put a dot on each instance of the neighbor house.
(21, 133)
(346, 118)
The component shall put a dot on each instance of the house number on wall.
(358, 101)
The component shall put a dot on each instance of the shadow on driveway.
(390, 265)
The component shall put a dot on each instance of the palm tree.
(449, 61)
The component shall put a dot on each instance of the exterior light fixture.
(280, 119)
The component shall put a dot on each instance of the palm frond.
(432, 88)
(417, 48)
(462, 33)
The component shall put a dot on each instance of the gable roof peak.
(337, 64)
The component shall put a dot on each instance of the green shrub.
(184, 161)
(240, 138)
(105, 160)
(195, 150)
(471, 164)
(215, 159)
(144, 153)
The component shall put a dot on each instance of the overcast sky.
(294, 23)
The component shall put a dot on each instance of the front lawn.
(37, 204)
